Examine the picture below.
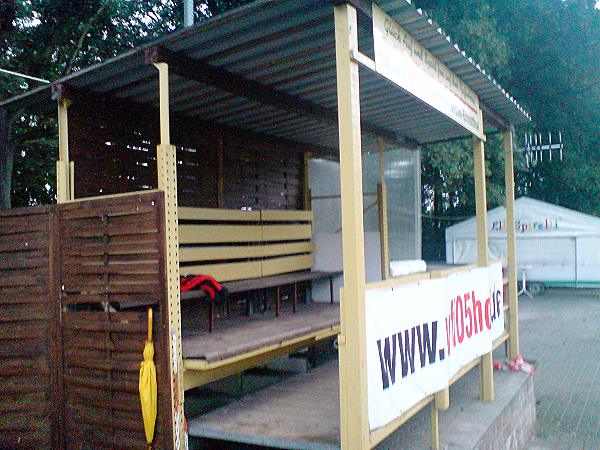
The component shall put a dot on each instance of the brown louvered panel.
(102, 356)
(25, 328)
(115, 154)
(111, 261)
(110, 251)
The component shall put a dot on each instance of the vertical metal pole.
(486, 370)
(354, 423)
(167, 181)
(383, 215)
(511, 242)
(63, 185)
(188, 13)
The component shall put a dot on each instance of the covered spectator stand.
(220, 122)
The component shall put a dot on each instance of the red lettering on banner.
(488, 314)
(460, 327)
(477, 313)
(453, 322)
(468, 315)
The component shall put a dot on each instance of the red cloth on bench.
(205, 283)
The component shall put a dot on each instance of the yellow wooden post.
(383, 215)
(435, 427)
(354, 423)
(166, 160)
(511, 241)
(486, 370)
(442, 399)
(480, 201)
(63, 170)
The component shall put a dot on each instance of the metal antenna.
(534, 147)
(561, 145)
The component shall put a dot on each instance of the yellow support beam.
(435, 427)
(354, 423)
(383, 215)
(442, 399)
(480, 201)
(486, 370)
(166, 160)
(63, 169)
(511, 241)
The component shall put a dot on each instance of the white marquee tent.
(554, 244)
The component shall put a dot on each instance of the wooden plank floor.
(241, 335)
(301, 412)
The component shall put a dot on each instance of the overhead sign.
(402, 60)
(420, 335)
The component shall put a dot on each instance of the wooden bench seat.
(242, 335)
(248, 250)
(240, 343)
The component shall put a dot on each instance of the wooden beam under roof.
(91, 99)
(226, 81)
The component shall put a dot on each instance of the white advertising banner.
(421, 334)
(402, 60)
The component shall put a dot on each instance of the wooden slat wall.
(111, 257)
(110, 252)
(81, 264)
(102, 355)
(261, 175)
(115, 152)
(27, 316)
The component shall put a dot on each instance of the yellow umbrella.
(148, 385)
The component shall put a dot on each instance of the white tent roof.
(533, 218)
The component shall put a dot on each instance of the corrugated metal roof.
(289, 45)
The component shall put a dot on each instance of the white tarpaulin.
(421, 334)
(553, 243)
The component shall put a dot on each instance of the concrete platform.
(302, 412)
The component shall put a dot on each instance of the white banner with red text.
(419, 335)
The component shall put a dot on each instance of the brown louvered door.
(110, 273)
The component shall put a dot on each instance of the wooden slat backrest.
(237, 244)
(285, 226)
